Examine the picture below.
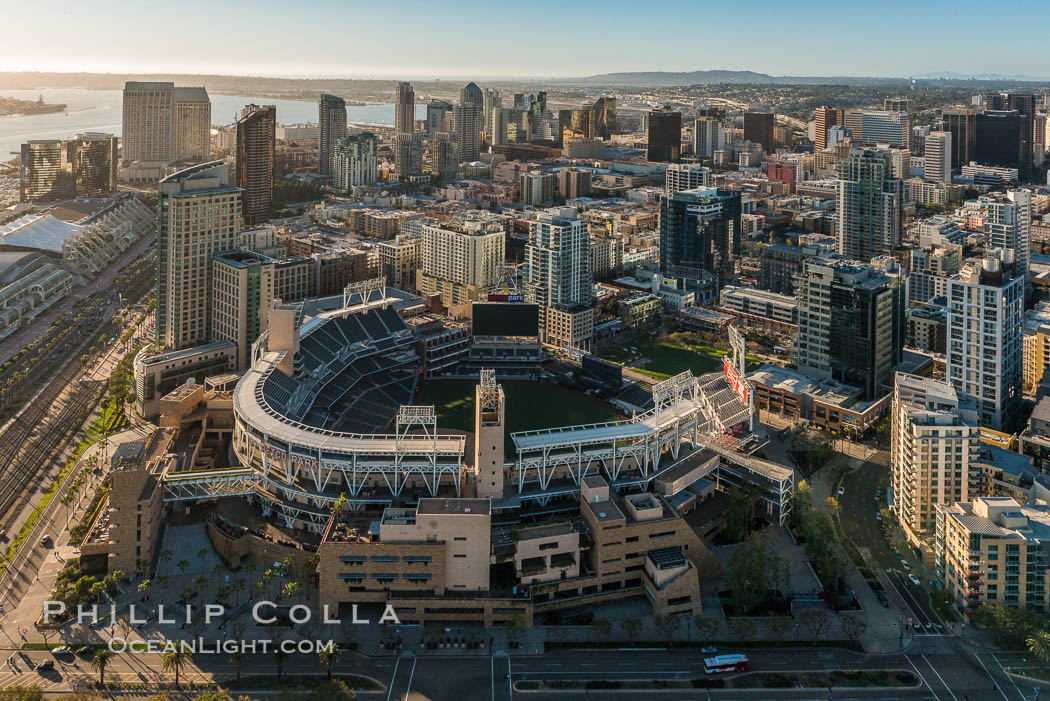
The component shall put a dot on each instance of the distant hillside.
(666, 78)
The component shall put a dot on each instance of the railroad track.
(30, 438)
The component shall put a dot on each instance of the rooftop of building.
(241, 258)
(549, 530)
(454, 506)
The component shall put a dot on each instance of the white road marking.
(940, 677)
(412, 674)
(990, 674)
(923, 678)
(392, 678)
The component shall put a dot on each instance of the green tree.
(329, 655)
(335, 690)
(748, 574)
(22, 693)
(175, 660)
(1039, 645)
(741, 628)
(779, 627)
(99, 663)
(801, 501)
(706, 628)
(632, 628)
(237, 658)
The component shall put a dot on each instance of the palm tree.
(183, 565)
(238, 587)
(144, 587)
(99, 663)
(200, 583)
(329, 655)
(1039, 645)
(249, 567)
(237, 658)
(279, 658)
(175, 660)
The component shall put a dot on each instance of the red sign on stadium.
(734, 379)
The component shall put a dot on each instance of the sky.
(537, 38)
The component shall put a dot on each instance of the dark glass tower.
(665, 136)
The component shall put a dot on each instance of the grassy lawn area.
(530, 405)
(666, 358)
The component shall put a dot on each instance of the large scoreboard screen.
(506, 319)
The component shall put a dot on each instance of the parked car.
(62, 650)
(709, 650)
(842, 490)
(85, 650)
(905, 565)
(45, 665)
(913, 579)
(882, 599)
(878, 515)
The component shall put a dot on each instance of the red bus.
(724, 664)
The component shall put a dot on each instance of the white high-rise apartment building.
(933, 441)
(985, 346)
(891, 127)
(686, 176)
(192, 124)
(1008, 223)
(473, 254)
(149, 122)
(708, 136)
(558, 259)
(355, 161)
(938, 158)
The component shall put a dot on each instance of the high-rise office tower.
(700, 238)
(1008, 224)
(444, 153)
(355, 161)
(985, 351)
(492, 101)
(468, 130)
(898, 104)
(53, 170)
(934, 439)
(962, 123)
(256, 133)
(604, 109)
(718, 113)
(1000, 140)
(405, 109)
(918, 142)
(577, 124)
(938, 158)
(665, 136)
(686, 176)
(149, 122)
(408, 156)
(331, 116)
(1024, 104)
(826, 117)
(892, 127)
(758, 127)
(851, 321)
(198, 215)
(708, 137)
(192, 124)
(437, 116)
(471, 93)
(853, 120)
(869, 205)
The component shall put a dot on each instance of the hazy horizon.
(325, 39)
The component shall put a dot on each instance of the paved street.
(947, 672)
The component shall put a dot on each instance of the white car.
(878, 515)
(905, 565)
(62, 650)
(913, 579)
(842, 490)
